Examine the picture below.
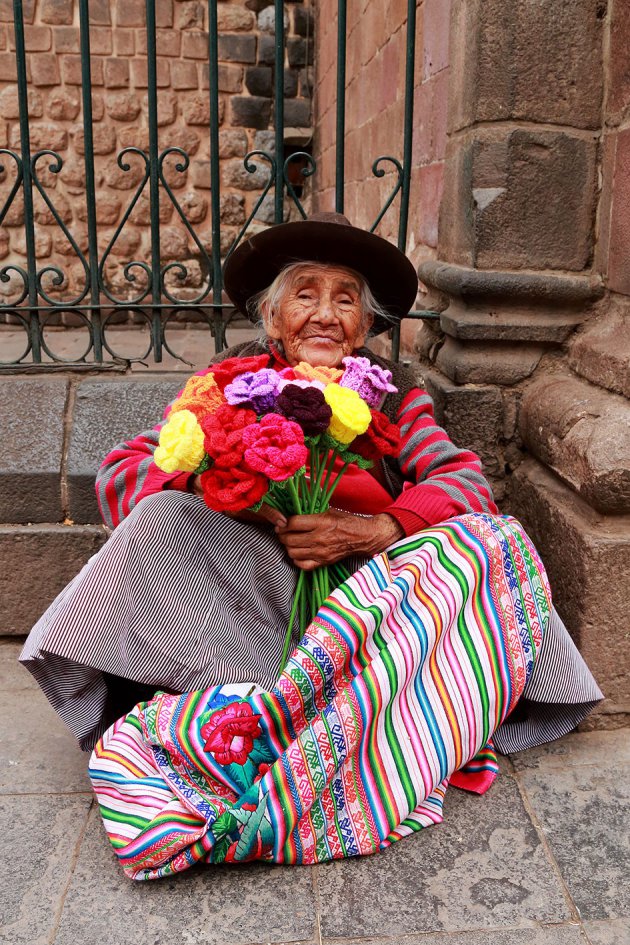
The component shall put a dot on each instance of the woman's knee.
(164, 511)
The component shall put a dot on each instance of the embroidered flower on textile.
(305, 405)
(350, 415)
(223, 431)
(229, 733)
(370, 381)
(327, 375)
(181, 446)
(200, 395)
(225, 371)
(232, 490)
(258, 391)
(381, 438)
(275, 447)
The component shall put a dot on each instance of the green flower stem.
(297, 505)
(287, 639)
(322, 505)
(316, 485)
(333, 486)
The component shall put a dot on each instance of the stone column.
(518, 286)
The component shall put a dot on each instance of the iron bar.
(215, 176)
(90, 186)
(154, 178)
(340, 158)
(407, 139)
(279, 112)
(27, 180)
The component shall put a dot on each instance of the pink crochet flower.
(275, 447)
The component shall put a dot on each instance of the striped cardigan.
(431, 480)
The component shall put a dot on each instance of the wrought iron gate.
(38, 293)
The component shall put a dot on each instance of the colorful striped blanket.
(395, 690)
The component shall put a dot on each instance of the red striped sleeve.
(448, 480)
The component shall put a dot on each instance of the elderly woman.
(182, 598)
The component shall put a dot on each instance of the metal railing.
(150, 295)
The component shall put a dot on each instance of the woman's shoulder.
(246, 349)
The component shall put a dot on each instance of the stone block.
(258, 80)
(63, 106)
(9, 104)
(233, 18)
(575, 807)
(106, 912)
(618, 242)
(266, 49)
(34, 738)
(618, 101)
(232, 143)
(472, 414)
(237, 48)
(495, 363)
(67, 39)
(451, 878)
(234, 174)
(587, 558)
(303, 22)
(33, 423)
(37, 561)
(583, 434)
(297, 113)
(57, 12)
(250, 111)
(525, 202)
(44, 831)
(184, 75)
(44, 69)
(527, 62)
(190, 15)
(299, 51)
(601, 353)
(106, 412)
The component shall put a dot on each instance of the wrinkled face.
(320, 317)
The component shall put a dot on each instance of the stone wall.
(518, 221)
(119, 77)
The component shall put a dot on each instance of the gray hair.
(271, 297)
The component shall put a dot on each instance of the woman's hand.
(314, 540)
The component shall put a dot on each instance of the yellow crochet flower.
(327, 375)
(181, 443)
(350, 415)
(200, 395)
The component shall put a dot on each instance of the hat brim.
(254, 264)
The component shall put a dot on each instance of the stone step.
(601, 353)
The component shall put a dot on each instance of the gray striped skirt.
(182, 598)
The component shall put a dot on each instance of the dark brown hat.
(326, 238)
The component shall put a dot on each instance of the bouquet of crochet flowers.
(256, 435)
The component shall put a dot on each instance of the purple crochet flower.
(370, 381)
(258, 390)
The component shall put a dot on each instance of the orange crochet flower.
(327, 375)
(201, 396)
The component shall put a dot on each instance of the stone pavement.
(543, 859)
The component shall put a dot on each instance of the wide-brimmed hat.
(326, 238)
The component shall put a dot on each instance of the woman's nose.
(326, 310)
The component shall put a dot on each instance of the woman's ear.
(366, 323)
(271, 329)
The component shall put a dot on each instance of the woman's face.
(320, 318)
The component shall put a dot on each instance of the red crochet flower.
(381, 438)
(230, 733)
(223, 429)
(225, 371)
(275, 447)
(232, 490)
